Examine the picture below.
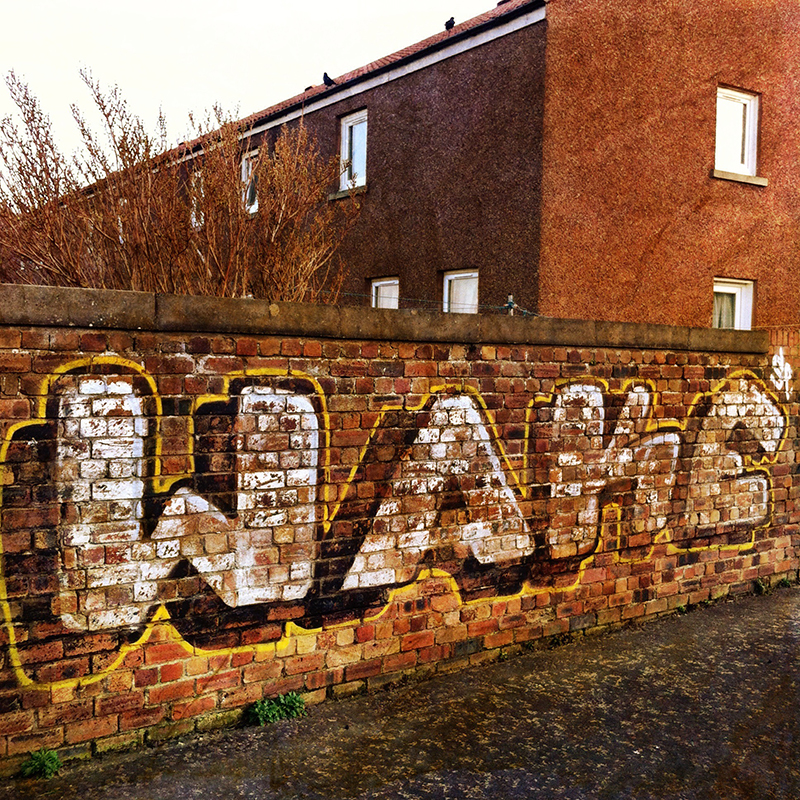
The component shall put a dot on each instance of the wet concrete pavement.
(701, 705)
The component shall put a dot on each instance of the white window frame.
(746, 163)
(349, 179)
(376, 293)
(196, 216)
(123, 202)
(248, 165)
(743, 301)
(451, 278)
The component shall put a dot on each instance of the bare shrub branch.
(131, 213)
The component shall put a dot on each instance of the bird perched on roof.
(327, 80)
(450, 23)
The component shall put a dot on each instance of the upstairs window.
(196, 197)
(385, 293)
(249, 190)
(354, 150)
(461, 292)
(122, 205)
(737, 133)
(733, 304)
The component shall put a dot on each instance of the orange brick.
(261, 672)
(27, 742)
(194, 707)
(145, 677)
(415, 641)
(68, 712)
(305, 663)
(87, 730)
(17, 722)
(364, 669)
(170, 672)
(240, 659)
(118, 703)
(170, 691)
(220, 680)
(400, 661)
(141, 718)
(164, 652)
(482, 627)
(500, 639)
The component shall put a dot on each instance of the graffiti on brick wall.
(782, 374)
(233, 514)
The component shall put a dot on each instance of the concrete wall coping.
(54, 306)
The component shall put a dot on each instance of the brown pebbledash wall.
(445, 190)
(206, 502)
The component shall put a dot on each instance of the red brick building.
(594, 159)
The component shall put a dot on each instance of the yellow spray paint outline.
(655, 425)
(292, 630)
(160, 483)
(277, 372)
(749, 464)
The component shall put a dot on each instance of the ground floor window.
(461, 292)
(733, 304)
(385, 293)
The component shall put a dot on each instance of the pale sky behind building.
(184, 57)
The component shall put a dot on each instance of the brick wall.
(206, 502)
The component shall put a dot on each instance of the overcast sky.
(185, 56)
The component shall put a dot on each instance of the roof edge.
(259, 118)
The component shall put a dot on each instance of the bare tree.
(129, 212)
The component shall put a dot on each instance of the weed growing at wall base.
(272, 709)
(42, 763)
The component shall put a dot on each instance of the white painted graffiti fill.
(110, 573)
(741, 429)
(101, 429)
(453, 454)
(584, 472)
(266, 551)
(782, 374)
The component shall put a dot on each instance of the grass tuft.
(42, 763)
(272, 709)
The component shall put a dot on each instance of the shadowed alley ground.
(702, 705)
